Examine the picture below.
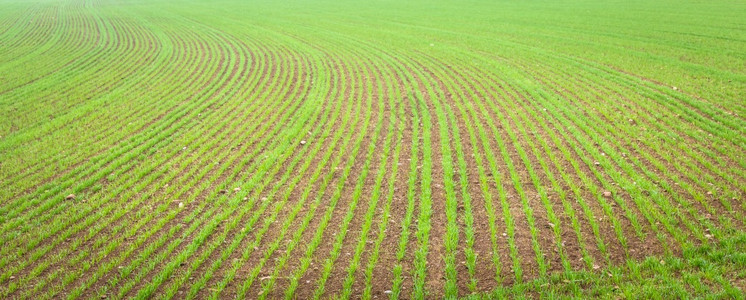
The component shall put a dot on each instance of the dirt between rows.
(514, 122)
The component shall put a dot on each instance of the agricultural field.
(308, 149)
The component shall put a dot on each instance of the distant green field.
(372, 149)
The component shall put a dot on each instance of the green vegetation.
(380, 149)
(714, 271)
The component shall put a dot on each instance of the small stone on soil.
(607, 194)
(70, 197)
(302, 142)
(181, 204)
(237, 189)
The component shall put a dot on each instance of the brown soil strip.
(330, 234)
(484, 268)
(272, 234)
(339, 271)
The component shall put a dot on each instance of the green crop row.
(383, 149)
